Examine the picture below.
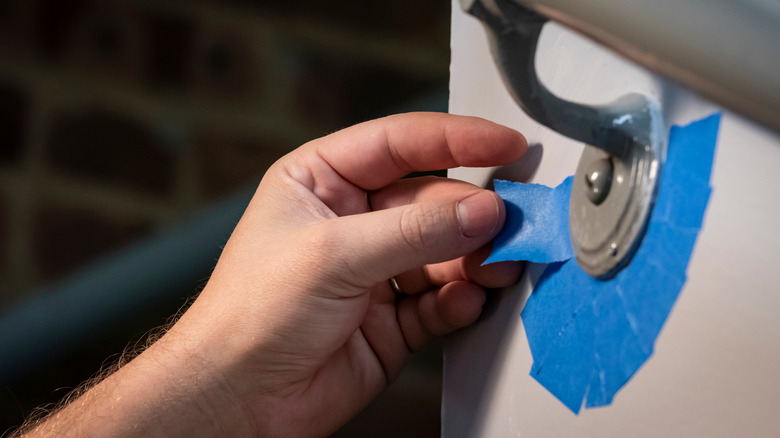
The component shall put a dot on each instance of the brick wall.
(118, 117)
(131, 113)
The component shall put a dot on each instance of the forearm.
(163, 392)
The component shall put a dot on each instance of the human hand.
(298, 328)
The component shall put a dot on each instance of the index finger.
(375, 153)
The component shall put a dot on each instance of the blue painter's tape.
(537, 223)
(589, 337)
(543, 316)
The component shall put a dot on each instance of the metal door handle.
(617, 178)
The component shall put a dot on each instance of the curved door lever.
(616, 179)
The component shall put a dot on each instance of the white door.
(715, 371)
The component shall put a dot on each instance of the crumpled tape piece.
(537, 223)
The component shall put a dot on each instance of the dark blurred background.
(131, 135)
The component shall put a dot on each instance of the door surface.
(715, 371)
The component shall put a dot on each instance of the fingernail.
(478, 214)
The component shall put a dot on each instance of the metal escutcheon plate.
(605, 234)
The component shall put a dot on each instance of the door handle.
(618, 173)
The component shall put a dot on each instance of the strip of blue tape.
(589, 337)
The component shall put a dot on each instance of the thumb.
(385, 243)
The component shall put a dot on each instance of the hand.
(298, 328)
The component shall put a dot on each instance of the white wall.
(716, 367)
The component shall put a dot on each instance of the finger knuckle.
(416, 225)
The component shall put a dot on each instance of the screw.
(598, 180)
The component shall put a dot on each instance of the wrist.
(246, 392)
(189, 392)
(165, 392)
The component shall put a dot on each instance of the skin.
(297, 329)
